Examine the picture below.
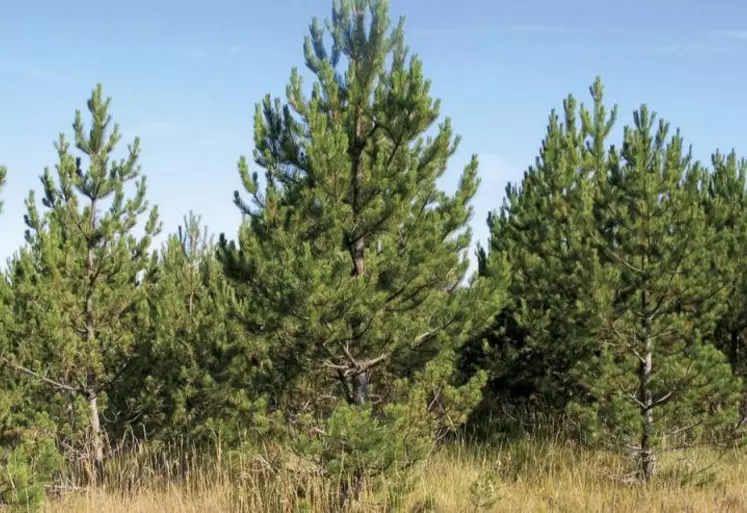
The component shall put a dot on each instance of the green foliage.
(29, 459)
(725, 206)
(620, 260)
(350, 267)
(547, 330)
(357, 444)
(184, 375)
(341, 328)
(659, 294)
(76, 289)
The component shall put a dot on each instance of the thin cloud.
(738, 35)
(534, 28)
(680, 48)
(35, 70)
(202, 52)
(492, 29)
(702, 45)
(158, 129)
(695, 45)
(194, 52)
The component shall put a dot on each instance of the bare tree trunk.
(646, 396)
(359, 394)
(97, 441)
(360, 388)
(97, 456)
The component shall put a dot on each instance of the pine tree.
(78, 278)
(352, 261)
(660, 296)
(544, 339)
(5, 319)
(183, 376)
(4, 310)
(726, 205)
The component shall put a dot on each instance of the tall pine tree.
(542, 343)
(351, 260)
(660, 296)
(78, 276)
(726, 207)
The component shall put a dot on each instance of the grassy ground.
(527, 476)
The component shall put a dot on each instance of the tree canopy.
(340, 328)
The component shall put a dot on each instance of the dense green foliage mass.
(75, 293)
(340, 328)
(350, 264)
(621, 265)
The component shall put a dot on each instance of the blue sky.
(185, 76)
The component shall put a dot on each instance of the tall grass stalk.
(529, 475)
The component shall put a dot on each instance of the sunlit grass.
(522, 476)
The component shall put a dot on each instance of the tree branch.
(347, 352)
(662, 400)
(49, 381)
(368, 364)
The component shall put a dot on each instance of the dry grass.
(527, 476)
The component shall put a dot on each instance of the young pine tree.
(662, 297)
(186, 389)
(10, 397)
(77, 279)
(726, 206)
(6, 400)
(544, 340)
(4, 288)
(352, 261)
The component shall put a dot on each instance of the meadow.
(523, 476)
(336, 351)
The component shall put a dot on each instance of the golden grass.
(520, 477)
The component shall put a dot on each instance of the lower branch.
(38, 376)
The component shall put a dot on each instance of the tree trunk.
(97, 443)
(360, 388)
(646, 397)
(734, 349)
(97, 449)
(357, 254)
(357, 248)
(647, 450)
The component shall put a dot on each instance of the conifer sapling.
(80, 280)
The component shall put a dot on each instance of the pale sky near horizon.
(185, 76)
